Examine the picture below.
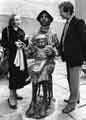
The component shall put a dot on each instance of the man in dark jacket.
(71, 51)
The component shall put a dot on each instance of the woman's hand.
(20, 44)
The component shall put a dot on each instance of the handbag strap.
(8, 33)
(8, 43)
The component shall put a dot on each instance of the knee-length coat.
(9, 37)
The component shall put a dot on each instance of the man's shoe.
(12, 105)
(69, 108)
(68, 101)
(18, 97)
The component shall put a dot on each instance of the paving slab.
(61, 91)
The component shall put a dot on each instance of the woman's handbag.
(3, 63)
(4, 60)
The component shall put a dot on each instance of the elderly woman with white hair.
(13, 40)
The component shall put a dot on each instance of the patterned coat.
(17, 77)
(39, 55)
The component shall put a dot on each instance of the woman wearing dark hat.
(45, 20)
(13, 41)
(42, 40)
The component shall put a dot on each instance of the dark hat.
(41, 13)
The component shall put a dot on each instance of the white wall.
(31, 9)
(31, 25)
(81, 8)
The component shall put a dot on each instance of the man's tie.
(64, 34)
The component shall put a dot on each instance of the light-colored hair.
(11, 20)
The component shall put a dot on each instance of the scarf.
(19, 59)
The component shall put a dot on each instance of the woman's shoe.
(12, 105)
(18, 97)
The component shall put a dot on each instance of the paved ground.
(60, 92)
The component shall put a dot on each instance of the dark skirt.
(16, 77)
